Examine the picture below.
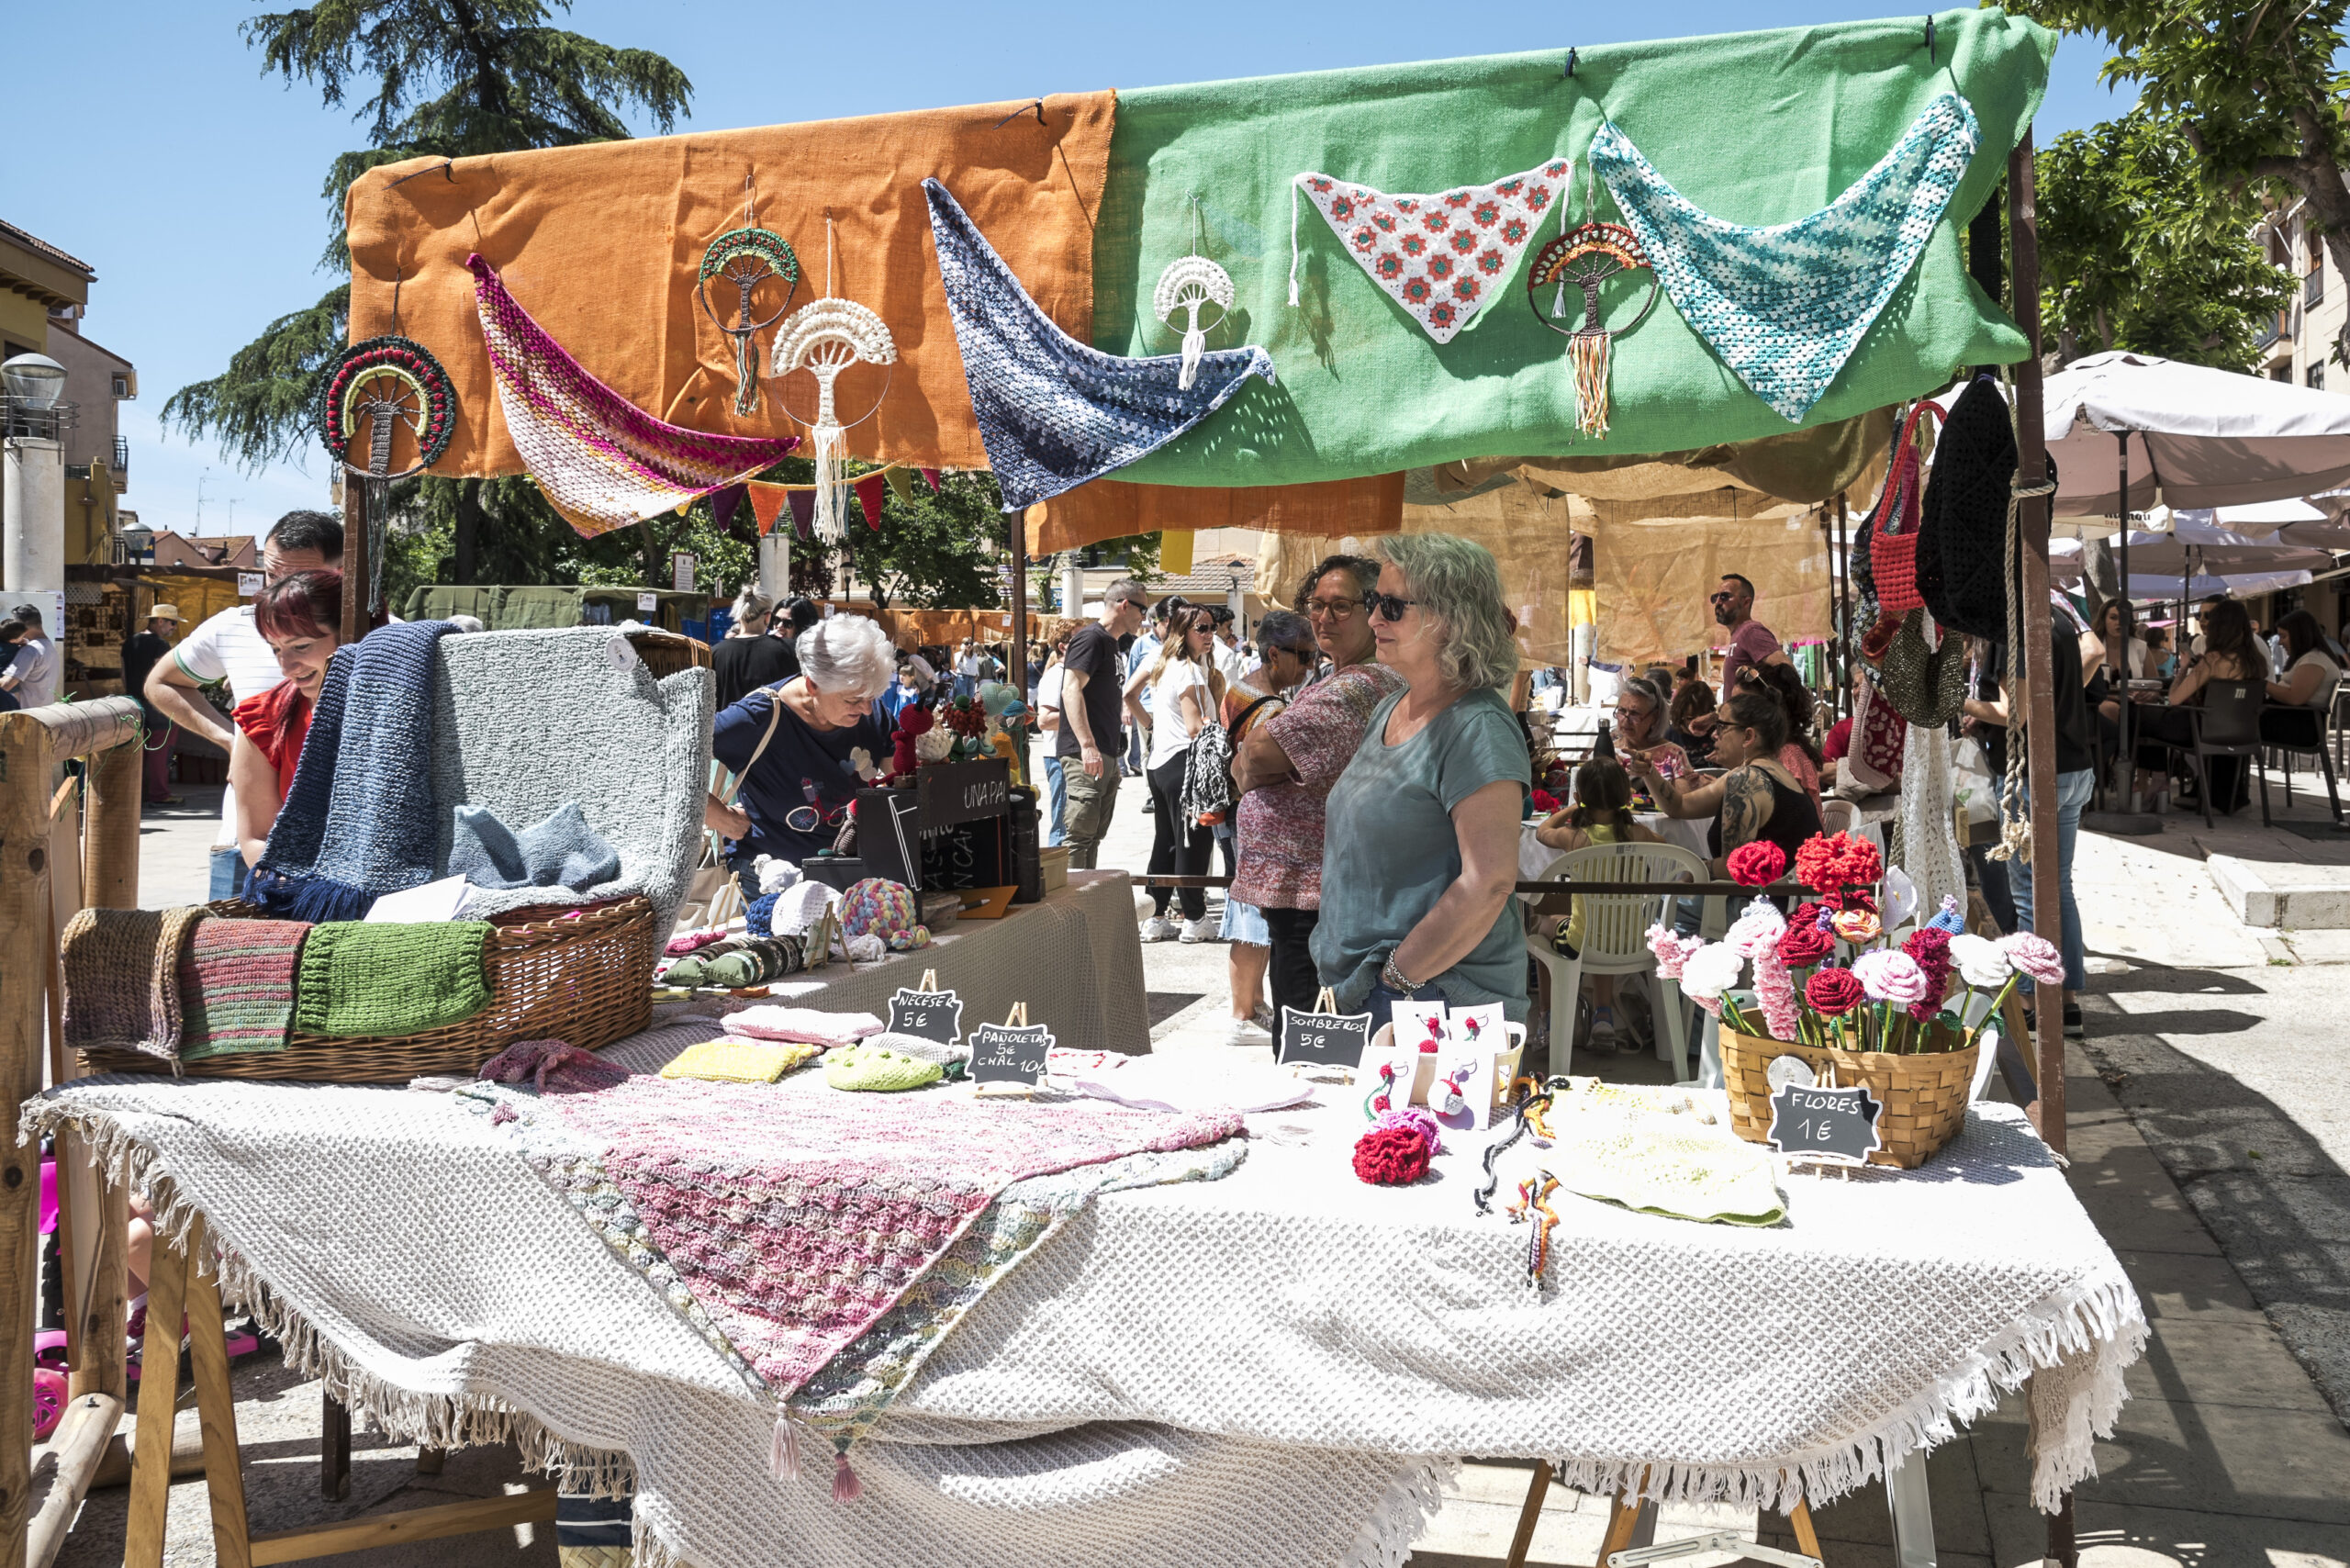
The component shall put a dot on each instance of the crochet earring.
(387, 385)
(1190, 284)
(747, 257)
(1588, 255)
(826, 338)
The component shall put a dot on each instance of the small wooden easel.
(176, 1288)
(1623, 1523)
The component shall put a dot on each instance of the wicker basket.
(1924, 1095)
(666, 653)
(588, 981)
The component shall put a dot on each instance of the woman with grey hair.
(746, 657)
(1420, 850)
(795, 747)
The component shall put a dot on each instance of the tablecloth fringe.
(1396, 1520)
(429, 1420)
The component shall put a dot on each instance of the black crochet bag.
(1963, 537)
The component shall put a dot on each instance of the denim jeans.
(228, 872)
(2073, 791)
(1057, 798)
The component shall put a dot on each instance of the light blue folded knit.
(562, 850)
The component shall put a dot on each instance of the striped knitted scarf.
(359, 820)
(236, 986)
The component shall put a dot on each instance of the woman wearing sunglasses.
(1420, 841)
(792, 744)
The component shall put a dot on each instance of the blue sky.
(192, 184)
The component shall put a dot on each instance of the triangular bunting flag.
(1441, 256)
(767, 504)
(803, 512)
(901, 482)
(723, 503)
(869, 491)
(930, 477)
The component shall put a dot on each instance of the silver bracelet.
(1393, 977)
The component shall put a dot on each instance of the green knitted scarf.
(388, 980)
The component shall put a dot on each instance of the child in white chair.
(1602, 814)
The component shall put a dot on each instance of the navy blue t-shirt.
(797, 761)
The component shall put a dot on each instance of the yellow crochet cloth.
(740, 1061)
(1652, 1149)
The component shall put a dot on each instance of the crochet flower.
(1391, 1156)
(1856, 926)
(1757, 865)
(1776, 991)
(1464, 240)
(1834, 992)
(1900, 899)
(1804, 946)
(1929, 950)
(1827, 864)
(1442, 314)
(1671, 951)
(1491, 262)
(1755, 932)
(1414, 1119)
(1364, 238)
(1712, 970)
(1544, 801)
(1980, 962)
(1890, 977)
(2036, 956)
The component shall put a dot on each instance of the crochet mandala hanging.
(1441, 256)
(600, 460)
(1786, 305)
(1053, 412)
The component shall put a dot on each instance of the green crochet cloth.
(388, 980)
(868, 1066)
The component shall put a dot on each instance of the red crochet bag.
(1893, 556)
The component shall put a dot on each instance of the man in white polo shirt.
(230, 647)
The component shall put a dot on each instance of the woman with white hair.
(795, 745)
(1420, 845)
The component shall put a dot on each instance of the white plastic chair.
(1614, 938)
(1835, 815)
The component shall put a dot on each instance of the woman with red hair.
(301, 618)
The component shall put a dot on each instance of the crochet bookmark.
(600, 460)
(1786, 305)
(1441, 256)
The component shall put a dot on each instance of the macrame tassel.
(783, 1453)
(846, 1488)
(1195, 343)
(1591, 353)
(832, 490)
(746, 374)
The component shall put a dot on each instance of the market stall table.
(1276, 1366)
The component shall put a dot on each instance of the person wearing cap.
(142, 652)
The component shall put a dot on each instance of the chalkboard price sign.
(927, 1015)
(1010, 1053)
(1325, 1039)
(1837, 1125)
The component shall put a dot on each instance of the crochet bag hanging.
(1892, 524)
(826, 338)
(747, 257)
(1785, 304)
(1588, 255)
(392, 394)
(1440, 257)
(600, 460)
(1925, 680)
(1053, 412)
(1963, 527)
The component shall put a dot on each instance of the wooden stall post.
(110, 880)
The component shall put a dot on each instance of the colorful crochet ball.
(1392, 1156)
(878, 907)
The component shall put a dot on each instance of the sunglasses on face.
(1388, 607)
(1723, 597)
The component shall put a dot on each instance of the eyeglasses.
(1387, 606)
(1333, 609)
(1722, 598)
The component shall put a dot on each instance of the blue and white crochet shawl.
(1784, 306)
(1054, 413)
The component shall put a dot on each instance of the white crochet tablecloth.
(1076, 960)
(1274, 1368)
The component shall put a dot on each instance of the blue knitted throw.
(350, 833)
(1784, 306)
(1054, 413)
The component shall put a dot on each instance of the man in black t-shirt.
(1093, 699)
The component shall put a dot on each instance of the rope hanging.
(2015, 830)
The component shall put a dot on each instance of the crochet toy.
(774, 875)
(881, 908)
(553, 1064)
(914, 723)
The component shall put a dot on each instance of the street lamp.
(34, 380)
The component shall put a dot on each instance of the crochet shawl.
(1054, 413)
(1786, 305)
(359, 818)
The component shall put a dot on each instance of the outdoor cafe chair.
(2293, 730)
(2226, 723)
(1614, 940)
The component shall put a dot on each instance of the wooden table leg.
(159, 1377)
(1799, 1520)
(1530, 1514)
(1623, 1518)
(334, 1448)
(215, 1407)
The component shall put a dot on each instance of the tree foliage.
(2135, 253)
(2255, 87)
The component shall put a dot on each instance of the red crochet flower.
(1757, 865)
(1834, 992)
(1930, 950)
(1391, 1157)
(1804, 946)
(1829, 864)
(1544, 801)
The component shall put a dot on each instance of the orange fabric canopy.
(602, 244)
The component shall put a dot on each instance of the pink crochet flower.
(1756, 932)
(1776, 991)
(1671, 951)
(2036, 956)
(1892, 977)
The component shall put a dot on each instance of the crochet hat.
(1963, 537)
(878, 907)
(864, 1067)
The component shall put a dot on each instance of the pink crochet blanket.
(795, 1219)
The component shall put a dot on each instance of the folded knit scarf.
(1053, 411)
(386, 979)
(236, 986)
(122, 987)
(359, 818)
(813, 1025)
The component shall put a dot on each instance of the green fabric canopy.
(1759, 128)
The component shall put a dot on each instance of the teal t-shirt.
(1389, 851)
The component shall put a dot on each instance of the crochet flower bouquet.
(1828, 976)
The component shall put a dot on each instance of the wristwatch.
(1394, 978)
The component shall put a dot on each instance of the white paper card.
(433, 902)
(1417, 1024)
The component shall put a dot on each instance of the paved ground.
(2210, 1132)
